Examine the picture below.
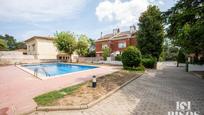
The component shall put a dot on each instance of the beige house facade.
(44, 48)
(41, 47)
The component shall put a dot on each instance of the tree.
(3, 45)
(106, 53)
(181, 57)
(186, 25)
(83, 45)
(91, 49)
(65, 42)
(10, 41)
(20, 45)
(170, 52)
(150, 34)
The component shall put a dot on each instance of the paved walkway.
(154, 93)
(18, 88)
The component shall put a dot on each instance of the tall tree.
(186, 25)
(66, 42)
(83, 45)
(150, 34)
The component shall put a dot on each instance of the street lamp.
(94, 81)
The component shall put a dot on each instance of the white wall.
(12, 57)
(46, 49)
(30, 49)
(194, 67)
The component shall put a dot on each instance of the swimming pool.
(56, 69)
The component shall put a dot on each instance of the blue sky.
(26, 18)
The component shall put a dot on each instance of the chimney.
(101, 34)
(116, 31)
(132, 29)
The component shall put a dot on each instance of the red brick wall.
(98, 46)
(114, 45)
(133, 42)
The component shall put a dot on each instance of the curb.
(80, 107)
(197, 75)
(56, 108)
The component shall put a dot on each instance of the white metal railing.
(36, 70)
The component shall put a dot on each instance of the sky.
(26, 18)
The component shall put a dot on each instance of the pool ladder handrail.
(43, 69)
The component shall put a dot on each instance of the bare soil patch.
(86, 94)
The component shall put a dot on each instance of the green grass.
(50, 97)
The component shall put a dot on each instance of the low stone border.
(57, 108)
(197, 75)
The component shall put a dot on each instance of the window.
(33, 47)
(122, 45)
(28, 48)
(104, 45)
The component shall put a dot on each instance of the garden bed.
(84, 94)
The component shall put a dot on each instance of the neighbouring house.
(43, 48)
(116, 41)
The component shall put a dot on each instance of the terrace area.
(18, 88)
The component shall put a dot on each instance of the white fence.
(194, 67)
(110, 62)
(89, 59)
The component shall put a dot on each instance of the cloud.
(157, 2)
(39, 10)
(124, 13)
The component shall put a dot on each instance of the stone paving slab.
(18, 88)
(154, 93)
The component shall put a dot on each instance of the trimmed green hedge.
(149, 62)
(131, 57)
(139, 68)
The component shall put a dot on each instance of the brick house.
(116, 41)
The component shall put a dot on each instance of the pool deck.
(18, 88)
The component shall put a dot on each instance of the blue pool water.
(57, 68)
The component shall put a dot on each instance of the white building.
(41, 47)
(44, 48)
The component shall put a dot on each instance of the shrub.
(201, 60)
(181, 57)
(149, 62)
(131, 57)
(118, 57)
(139, 68)
(91, 53)
(106, 53)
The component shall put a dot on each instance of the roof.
(39, 37)
(120, 35)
